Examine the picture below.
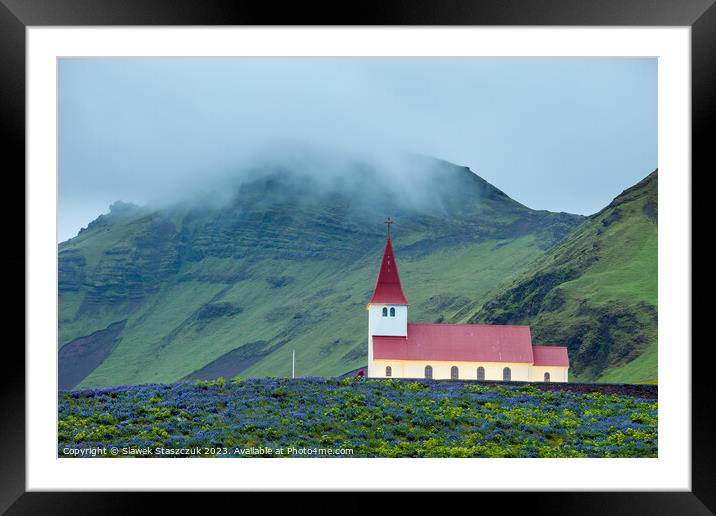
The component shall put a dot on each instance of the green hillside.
(196, 289)
(595, 292)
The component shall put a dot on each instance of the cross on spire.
(388, 222)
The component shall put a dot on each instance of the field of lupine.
(358, 417)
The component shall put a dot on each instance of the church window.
(546, 377)
(428, 371)
(453, 373)
(388, 371)
(480, 373)
(506, 374)
(392, 312)
(385, 312)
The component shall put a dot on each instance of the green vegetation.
(359, 418)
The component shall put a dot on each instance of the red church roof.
(550, 356)
(388, 289)
(458, 342)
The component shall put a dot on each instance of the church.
(399, 349)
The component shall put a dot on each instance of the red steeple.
(388, 289)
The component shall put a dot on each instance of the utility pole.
(293, 364)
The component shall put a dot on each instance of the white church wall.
(520, 372)
(388, 326)
(556, 374)
(396, 326)
(371, 363)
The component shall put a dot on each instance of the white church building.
(399, 349)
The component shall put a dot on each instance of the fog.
(558, 134)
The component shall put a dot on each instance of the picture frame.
(17, 15)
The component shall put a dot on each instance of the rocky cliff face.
(71, 270)
(134, 269)
(287, 216)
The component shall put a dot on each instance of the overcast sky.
(560, 134)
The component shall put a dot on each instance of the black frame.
(16, 15)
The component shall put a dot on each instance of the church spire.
(388, 289)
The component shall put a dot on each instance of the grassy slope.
(321, 313)
(298, 276)
(605, 271)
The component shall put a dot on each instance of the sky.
(560, 134)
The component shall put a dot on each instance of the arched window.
(428, 371)
(546, 377)
(506, 374)
(385, 312)
(392, 312)
(388, 371)
(480, 373)
(453, 373)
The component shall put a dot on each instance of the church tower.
(387, 308)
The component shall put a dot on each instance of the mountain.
(595, 292)
(287, 260)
